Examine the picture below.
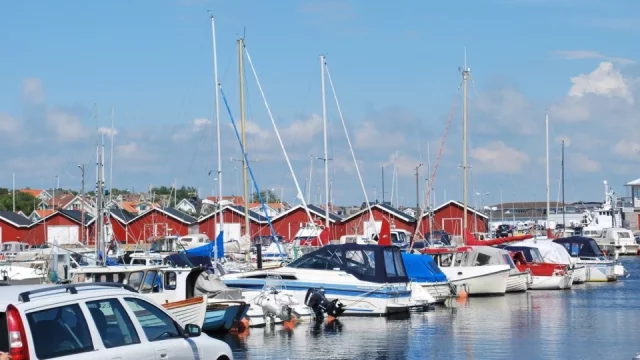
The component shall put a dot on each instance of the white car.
(96, 321)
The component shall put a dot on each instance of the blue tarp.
(207, 250)
(422, 268)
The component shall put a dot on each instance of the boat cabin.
(193, 241)
(11, 249)
(531, 254)
(373, 263)
(581, 247)
(165, 244)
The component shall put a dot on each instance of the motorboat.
(554, 253)
(613, 240)
(544, 276)
(367, 279)
(486, 255)
(422, 270)
(21, 275)
(587, 252)
(474, 280)
(178, 290)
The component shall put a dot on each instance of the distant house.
(272, 209)
(40, 214)
(42, 195)
(188, 206)
(411, 212)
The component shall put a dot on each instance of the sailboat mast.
(563, 207)
(13, 192)
(113, 115)
(326, 155)
(243, 135)
(465, 78)
(215, 89)
(546, 124)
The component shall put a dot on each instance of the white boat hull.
(623, 249)
(579, 274)
(556, 282)
(518, 282)
(600, 271)
(479, 280)
(620, 271)
(190, 311)
(440, 291)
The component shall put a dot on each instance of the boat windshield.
(532, 255)
(580, 246)
(365, 262)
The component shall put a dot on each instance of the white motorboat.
(474, 280)
(587, 252)
(366, 279)
(544, 276)
(487, 255)
(423, 272)
(554, 253)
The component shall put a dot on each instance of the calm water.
(592, 321)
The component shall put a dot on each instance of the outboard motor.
(272, 307)
(318, 302)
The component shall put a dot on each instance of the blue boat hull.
(224, 319)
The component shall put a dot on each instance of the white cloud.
(627, 149)
(500, 158)
(32, 90)
(605, 81)
(108, 131)
(588, 54)
(506, 109)
(8, 124)
(369, 136)
(195, 126)
(583, 163)
(133, 151)
(67, 126)
(405, 165)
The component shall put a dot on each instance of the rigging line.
(286, 156)
(353, 155)
(253, 178)
(226, 69)
(435, 166)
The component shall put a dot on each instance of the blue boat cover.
(207, 250)
(422, 268)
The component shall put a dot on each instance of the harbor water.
(591, 321)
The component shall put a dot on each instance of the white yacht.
(474, 280)
(554, 253)
(366, 279)
(587, 252)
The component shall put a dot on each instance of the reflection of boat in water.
(367, 279)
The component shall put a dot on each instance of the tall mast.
(382, 184)
(326, 155)
(465, 77)
(428, 191)
(215, 89)
(546, 124)
(310, 181)
(563, 207)
(244, 136)
(13, 192)
(113, 115)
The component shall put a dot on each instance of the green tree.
(24, 202)
(268, 196)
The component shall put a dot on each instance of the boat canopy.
(373, 263)
(579, 246)
(551, 252)
(422, 268)
(531, 254)
(487, 255)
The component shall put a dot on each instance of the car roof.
(9, 294)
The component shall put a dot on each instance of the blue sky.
(395, 68)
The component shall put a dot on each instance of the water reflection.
(593, 321)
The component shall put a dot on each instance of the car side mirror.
(192, 330)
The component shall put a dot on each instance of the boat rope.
(435, 166)
(284, 151)
(253, 178)
(353, 155)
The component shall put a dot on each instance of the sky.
(69, 68)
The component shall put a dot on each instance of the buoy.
(462, 296)
(330, 319)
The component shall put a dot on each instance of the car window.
(59, 331)
(113, 323)
(157, 325)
